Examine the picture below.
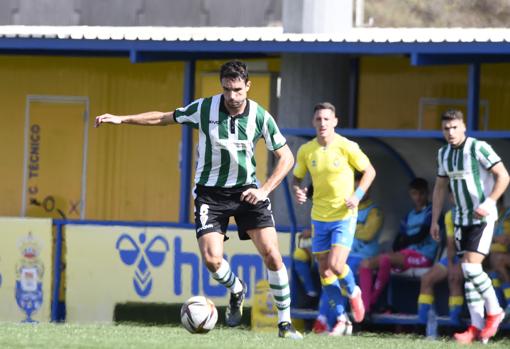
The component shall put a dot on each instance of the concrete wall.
(141, 12)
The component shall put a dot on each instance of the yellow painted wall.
(495, 88)
(132, 171)
(390, 90)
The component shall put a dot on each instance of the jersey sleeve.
(190, 114)
(441, 171)
(272, 135)
(368, 231)
(300, 168)
(356, 157)
(486, 155)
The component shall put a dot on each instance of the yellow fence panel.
(109, 265)
(26, 269)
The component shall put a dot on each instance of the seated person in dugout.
(413, 247)
(500, 256)
(447, 267)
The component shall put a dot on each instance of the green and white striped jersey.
(226, 144)
(470, 179)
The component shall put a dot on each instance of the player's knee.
(337, 268)
(365, 264)
(212, 262)
(272, 260)
(427, 278)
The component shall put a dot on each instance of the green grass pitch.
(140, 337)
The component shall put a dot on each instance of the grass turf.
(141, 337)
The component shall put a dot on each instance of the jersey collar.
(224, 110)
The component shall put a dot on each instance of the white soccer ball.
(199, 315)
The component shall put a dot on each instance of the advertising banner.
(109, 265)
(25, 269)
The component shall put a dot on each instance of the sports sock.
(347, 280)
(382, 279)
(227, 278)
(425, 302)
(475, 305)
(483, 285)
(455, 304)
(331, 287)
(365, 282)
(279, 285)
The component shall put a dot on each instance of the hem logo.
(143, 255)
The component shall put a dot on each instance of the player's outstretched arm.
(152, 118)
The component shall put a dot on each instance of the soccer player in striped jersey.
(229, 125)
(477, 178)
(331, 160)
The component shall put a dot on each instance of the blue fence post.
(187, 145)
(293, 231)
(473, 96)
(57, 269)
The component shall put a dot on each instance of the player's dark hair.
(324, 105)
(234, 70)
(419, 184)
(452, 114)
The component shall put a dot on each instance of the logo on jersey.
(459, 174)
(143, 254)
(204, 210)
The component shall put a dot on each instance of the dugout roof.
(423, 45)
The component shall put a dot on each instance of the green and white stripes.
(281, 295)
(470, 179)
(226, 145)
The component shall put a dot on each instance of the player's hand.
(434, 231)
(352, 202)
(484, 209)
(301, 194)
(306, 234)
(254, 195)
(107, 118)
(480, 212)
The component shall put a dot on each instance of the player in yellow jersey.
(331, 160)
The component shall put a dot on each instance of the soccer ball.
(199, 315)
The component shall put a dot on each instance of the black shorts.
(215, 206)
(474, 238)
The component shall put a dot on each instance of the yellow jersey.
(332, 171)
